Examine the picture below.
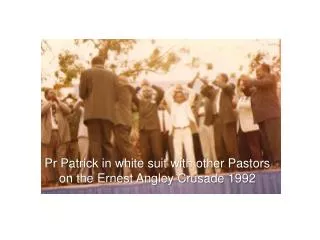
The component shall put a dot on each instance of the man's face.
(219, 78)
(241, 84)
(260, 73)
(147, 93)
(51, 94)
(179, 97)
(70, 103)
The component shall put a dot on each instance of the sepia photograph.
(161, 116)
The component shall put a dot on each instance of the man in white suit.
(179, 100)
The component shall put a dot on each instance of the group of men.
(175, 126)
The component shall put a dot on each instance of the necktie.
(54, 111)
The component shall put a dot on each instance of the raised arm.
(226, 87)
(45, 106)
(266, 82)
(77, 105)
(160, 93)
(64, 107)
(191, 94)
(191, 84)
(168, 96)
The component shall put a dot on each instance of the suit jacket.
(98, 90)
(74, 120)
(123, 108)
(210, 107)
(264, 99)
(46, 126)
(187, 108)
(148, 111)
(227, 112)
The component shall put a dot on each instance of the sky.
(225, 55)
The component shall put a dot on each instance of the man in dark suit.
(203, 111)
(266, 110)
(166, 137)
(98, 91)
(225, 121)
(123, 125)
(149, 125)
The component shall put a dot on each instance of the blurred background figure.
(55, 135)
(72, 152)
(83, 140)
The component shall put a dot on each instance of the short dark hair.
(265, 67)
(224, 76)
(46, 91)
(97, 60)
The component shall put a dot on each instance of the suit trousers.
(73, 154)
(250, 145)
(83, 143)
(100, 145)
(167, 151)
(225, 135)
(206, 133)
(271, 137)
(197, 151)
(54, 150)
(151, 149)
(182, 139)
(124, 148)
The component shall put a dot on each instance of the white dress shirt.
(218, 100)
(83, 130)
(165, 120)
(179, 114)
(54, 123)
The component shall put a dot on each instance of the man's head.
(98, 60)
(147, 92)
(49, 94)
(70, 102)
(145, 83)
(123, 80)
(241, 80)
(262, 70)
(222, 77)
(179, 96)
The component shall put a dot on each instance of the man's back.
(98, 90)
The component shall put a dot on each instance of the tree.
(260, 57)
(115, 51)
(69, 68)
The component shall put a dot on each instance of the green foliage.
(111, 49)
(259, 58)
(69, 69)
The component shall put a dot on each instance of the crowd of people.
(222, 121)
